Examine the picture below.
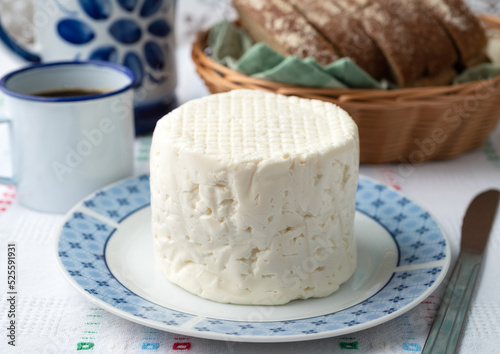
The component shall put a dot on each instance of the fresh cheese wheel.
(253, 197)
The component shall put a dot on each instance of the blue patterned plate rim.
(423, 261)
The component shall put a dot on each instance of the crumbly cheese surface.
(253, 197)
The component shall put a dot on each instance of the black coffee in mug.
(72, 92)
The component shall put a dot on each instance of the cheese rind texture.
(253, 197)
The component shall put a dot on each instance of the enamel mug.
(64, 148)
(138, 34)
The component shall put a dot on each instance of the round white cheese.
(253, 197)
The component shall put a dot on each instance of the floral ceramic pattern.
(75, 31)
(124, 31)
(121, 200)
(403, 219)
(97, 9)
(421, 243)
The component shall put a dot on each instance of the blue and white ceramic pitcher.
(136, 33)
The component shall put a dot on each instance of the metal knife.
(476, 227)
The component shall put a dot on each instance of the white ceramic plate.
(105, 250)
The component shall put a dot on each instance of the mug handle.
(12, 45)
(8, 180)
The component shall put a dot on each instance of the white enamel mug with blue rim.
(66, 147)
(138, 34)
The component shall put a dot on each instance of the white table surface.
(54, 318)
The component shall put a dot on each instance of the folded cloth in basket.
(231, 46)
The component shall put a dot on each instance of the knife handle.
(445, 331)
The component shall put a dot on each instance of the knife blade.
(477, 224)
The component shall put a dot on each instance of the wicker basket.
(406, 125)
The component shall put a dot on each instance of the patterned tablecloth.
(54, 318)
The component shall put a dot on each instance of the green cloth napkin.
(294, 71)
(353, 76)
(233, 47)
(228, 43)
(258, 58)
(479, 72)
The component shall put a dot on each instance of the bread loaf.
(411, 42)
(346, 33)
(431, 38)
(463, 27)
(393, 36)
(285, 30)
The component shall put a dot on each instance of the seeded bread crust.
(411, 42)
(346, 34)
(393, 36)
(277, 23)
(463, 27)
(432, 39)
